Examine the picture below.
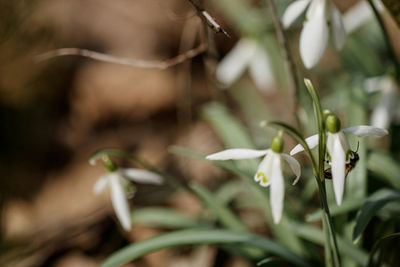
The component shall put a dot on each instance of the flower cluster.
(269, 172)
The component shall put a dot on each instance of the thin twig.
(150, 64)
(293, 78)
(388, 41)
(209, 19)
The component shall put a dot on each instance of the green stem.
(328, 223)
(388, 42)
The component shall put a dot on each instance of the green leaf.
(381, 246)
(386, 167)
(317, 236)
(231, 132)
(199, 237)
(374, 203)
(347, 206)
(162, 217)
(223, 213)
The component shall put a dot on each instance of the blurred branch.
(394, 7)
(210, 21)
(388, 41)
(294, 81)
(150, 64)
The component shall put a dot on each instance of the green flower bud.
(332, 123)
(277, 143)
(109, 164)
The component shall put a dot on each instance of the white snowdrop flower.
(359, 14)
(247, 53)
(386, 111)
(321, 16)
(118, 180)
(269, 172)
(338, 149)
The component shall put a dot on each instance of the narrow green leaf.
(347, 206)
(162, 217)
(316, 235)
(198, 237)
(374, 203)
(386, 167)
(379, 247)
(223, 213)
(231, 131)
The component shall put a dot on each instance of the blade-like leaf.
(379, 247)
(386, 167)
(198, 237)
(162, 217)
(374, 203)
(347, 206)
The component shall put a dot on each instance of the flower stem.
(319, 170)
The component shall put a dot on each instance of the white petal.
(277, 190)
(380, 117)
(264, 171)
(235, 62)
(101, 184)
(261, 70)
(357, 15)
(338, 165)
(294, 165)
(141, 176)
(237, 153)
(338, 31)
(293, 11)
(120, 203)
(366, 130)
(312, 141)
(314, 37)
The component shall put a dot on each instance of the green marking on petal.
(262, 178)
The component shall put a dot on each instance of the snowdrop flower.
(338, 149)
(320, 15)
(269, 172)
(386, 110)
(359, 14)
(246, 53)
(118, 179)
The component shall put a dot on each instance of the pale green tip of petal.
(327, 112)
(332, 123)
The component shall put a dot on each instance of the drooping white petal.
(338, 165)
(141, 176)
(314, 36)
(294, 165)
(312, 141)
(293, 11)
(338, 30)
(383, 112)
(277, 189)
(120, 203)
(357, 15)
(234, 63)
(101, 184)
(264, 171)
(366, 130)
(261, 70)
(237, 153)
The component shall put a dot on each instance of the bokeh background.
(54, 114)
